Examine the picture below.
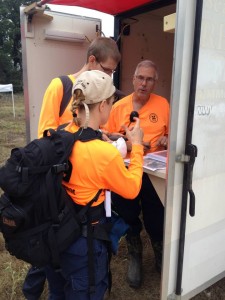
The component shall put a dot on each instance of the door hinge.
(182, 158)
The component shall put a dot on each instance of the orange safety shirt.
(98, 165)
(49, 115)
(154, 118)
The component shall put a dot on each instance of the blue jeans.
(75, 272)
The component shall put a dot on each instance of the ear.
(92, 59)
(102, 105)
(92, 63)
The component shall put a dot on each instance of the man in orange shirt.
(153, 111)
(103, 54)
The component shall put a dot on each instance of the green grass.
(12, 130)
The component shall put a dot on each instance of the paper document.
(153, 164)
(107, 203)
(158, 155)
(153, 161)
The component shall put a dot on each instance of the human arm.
(130, 178)
(162, 141)
(125, 181)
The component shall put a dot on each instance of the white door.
(53, 44)
(202, 236)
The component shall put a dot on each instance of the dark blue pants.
(56, 284)
(152, 210)
(75, 272)
(34, 283)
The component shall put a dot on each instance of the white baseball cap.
(95, 85)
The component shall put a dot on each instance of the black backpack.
(37, 217)
(67, 93)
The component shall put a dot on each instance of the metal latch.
(189, 159)
(192, 152)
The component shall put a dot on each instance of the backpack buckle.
(83, 219)
(60, 168)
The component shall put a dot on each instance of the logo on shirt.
(153, 118)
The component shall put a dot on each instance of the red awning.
(112, 7)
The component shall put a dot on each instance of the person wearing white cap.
(96, 165)
(102, 54)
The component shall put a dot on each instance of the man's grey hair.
(147, 64)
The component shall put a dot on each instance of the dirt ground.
(13, 271)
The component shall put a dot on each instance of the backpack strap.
(67, 93)
(82, 135)
(90, 242)
(82, 213)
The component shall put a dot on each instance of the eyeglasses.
(149, 80)
(107, 70)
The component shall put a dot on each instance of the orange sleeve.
(49, 115)
(123, 181)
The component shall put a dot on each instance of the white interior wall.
(148, 41)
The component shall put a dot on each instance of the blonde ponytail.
(77, 104)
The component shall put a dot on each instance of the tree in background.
(10, 43)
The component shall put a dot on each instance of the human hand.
(146, 146)
(105, 137)
(162, 141)
(110, 137)
(134, 134)
(115, 136)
